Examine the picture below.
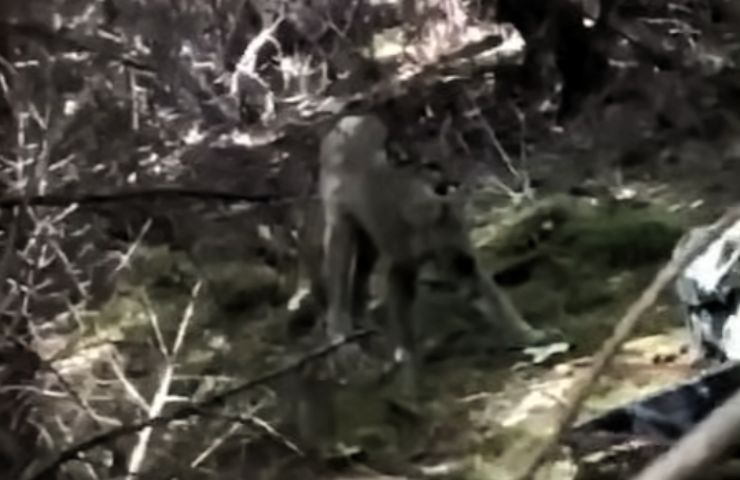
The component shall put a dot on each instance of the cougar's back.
(353, 144)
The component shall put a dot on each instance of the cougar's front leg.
(401, 297)
(488, 299)
(339, 253)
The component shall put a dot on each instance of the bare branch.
(62, 200)
(233, 428)
(126, 257)
(6, 260)
(129, 388)
(159, 401)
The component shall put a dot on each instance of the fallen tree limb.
(698, 449)
(63, 200)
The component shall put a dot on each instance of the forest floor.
(571, 261)
(574, 263)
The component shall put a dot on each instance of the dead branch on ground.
(698, 449)
(63, 200)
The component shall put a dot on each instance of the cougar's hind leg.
(339, 254)
(342, 284)
(366, 255)
(401, 296)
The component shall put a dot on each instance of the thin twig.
(252, 420)
(622, 332)
(484, 124)
(154, 324)
(68, 269)
(126, 257)
(75, 396)
(138, 454)
(220, 440)
(235, 426)
(6, 260)
(129, 387)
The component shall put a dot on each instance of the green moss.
(618, 234)
(129, 315)
(160, 268)
(574, 264)
(619, 238)
(518, 231)
(565, 253)
(159, 285)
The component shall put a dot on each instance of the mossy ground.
(574, 262)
